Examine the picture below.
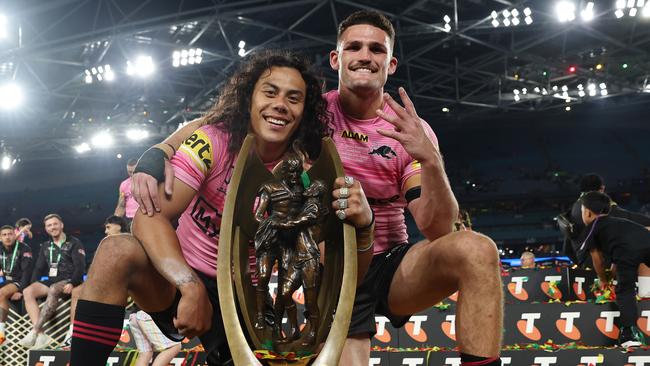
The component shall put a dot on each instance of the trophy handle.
(331, 352)
(236, 213)
(239, 349)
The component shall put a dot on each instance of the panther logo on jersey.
(384, 151)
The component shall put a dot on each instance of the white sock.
(2, 327)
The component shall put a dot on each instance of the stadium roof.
(457, 59)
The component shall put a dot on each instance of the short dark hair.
(598, 202)
(7, 227)
(132, 162)
(118, 220)
(52, 216)
(369, 17)
(591, 182)
(23, 222)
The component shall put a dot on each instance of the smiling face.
(277, 106)
(54, 227)
(363, 58)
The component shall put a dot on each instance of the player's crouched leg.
(479, 316)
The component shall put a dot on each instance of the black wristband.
(152, 162)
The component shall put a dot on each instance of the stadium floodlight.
(517, 98)
(4, 32)
(82, 147)
(187, 57)
(511, 17)
(619, 13)
(445, 110)
(6, 162)
(447, 27)
(544, 91)
(102, 139)
(524, 91)
(603, 92)
(142, 66)
(536, 89)
(565, 11)
(587, 14)
(515, 92)
(241, 44)
(567, 108)
(11, 96)
(135, 134)
(581, 93)
(603, 86)
(565, 88)
(241, 52)
(100, 73)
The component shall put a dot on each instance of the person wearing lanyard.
(15, 272)
(63, 260)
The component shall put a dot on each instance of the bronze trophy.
(284, 215)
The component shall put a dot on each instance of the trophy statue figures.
(284, 215)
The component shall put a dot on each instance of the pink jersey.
(203, 163)
(130, 204)
(381, 165)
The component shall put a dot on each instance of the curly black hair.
(231, 113)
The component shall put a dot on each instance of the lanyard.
(57, 258)
(13, 259)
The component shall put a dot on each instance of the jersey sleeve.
(194, 159)
(123, 188)
(411, 166)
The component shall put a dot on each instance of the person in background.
(527, 260)
(623, 243)
(148, 338)
(15, 272)
(126, 205)
(63, 259)
(24, 230)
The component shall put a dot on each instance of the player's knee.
(28, 293)
(479, 250)
(117, 253)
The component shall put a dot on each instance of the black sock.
(96, 330)
(471, 360)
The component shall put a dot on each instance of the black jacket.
(574, 237)
(20, 271)
(71, 265)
